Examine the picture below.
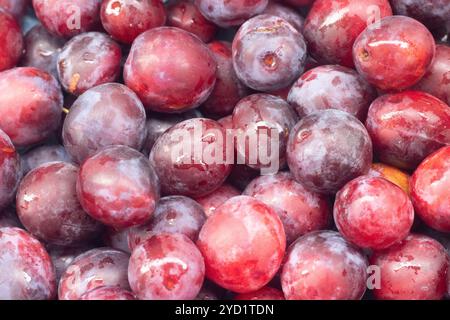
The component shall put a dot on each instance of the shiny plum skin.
(124, 20)
(437, 79)
(11, 41)
(21, 254)
(430, 185)
(300, 210)
(173, 214)
(166, 267)
(232, 12)
(228, 89)
(339, 269)
(260, 116)
(62, 257)
(265, 293)
(48, 207)
(185, 15)
(10, 172)
(394, 54)
(14, 7)
(92, 269)
(287, 13)
(41, 155)
(415, 269)
(108, 293)
(163, 85)
(243, 244)
(41, 50)
(406, 127)
(327, 149)
(215, 199)
(184, 161)
(392, 174)
(373, 213)
(88, 60)
(332, 87)
(67, 18)
(157, 124)
(432, 13)
(118, 187)
(268, 53)
(332, 27)
(30, 104)
(110, 114)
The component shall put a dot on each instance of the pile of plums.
(224, 149)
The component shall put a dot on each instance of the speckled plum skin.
(406, 127)
(287, 13)
(14, 7)
(300, 210)
(255, 115)
(392, 174)
(327, 149)
(215, 199)
(166, 267)
(228, 89)
(265, 293)
(110, 114)
(154, 70)
(118, 187)
(373, 213)
(331, 87)
(41, 155)
(339, 269)
(187, 172)
(231, 12)
(185, 15)
(21, 254)
(30, 104)
(124, 20)
(67, 18)
(432, 13)
(243, 244)
(157, 124)
(11, 41)
(108, 293)
(437, 79)
(174, 214)
(395, 53)
(415, 269)
(10, 172)
(48, 207)
(88, 60)
(41, 50)
(62, 257)
(430, 185)
(92, 269)
(332, 27)
(268, 53)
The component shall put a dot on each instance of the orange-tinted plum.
(392, 174)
